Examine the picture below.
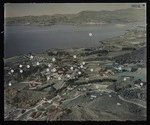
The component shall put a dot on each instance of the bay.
(20, 40)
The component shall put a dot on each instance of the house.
(105, 75)
(45, 99)
(93, 96)
(139, 83)
(109, 72)
(127, 77)
(57, 103)
(34, 85)
(86, 80)
(60, 72)
(84, 89)
(18, 90)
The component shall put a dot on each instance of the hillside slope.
(84, 17)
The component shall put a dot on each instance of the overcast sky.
(25, 9)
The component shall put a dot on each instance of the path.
(72, 98)
(131, 102)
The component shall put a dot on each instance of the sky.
(35, 9)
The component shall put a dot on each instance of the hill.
(84, 17)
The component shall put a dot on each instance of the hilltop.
(85, 17)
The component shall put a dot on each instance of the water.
(25, 39)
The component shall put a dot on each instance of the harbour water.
(27, 39)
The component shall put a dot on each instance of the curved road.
(131, 102)
(143, 106)
(35, 107)
(72, 98)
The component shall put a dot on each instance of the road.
(72, 98)
(131, 102)
(31, 82)
(62, 85)
(35, 108)
(11, 113)
(49, 101)
(122, 98)
(103, 90)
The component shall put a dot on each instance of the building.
(139, 83)
(57, 103)
(127, 77)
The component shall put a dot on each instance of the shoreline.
(74, 24)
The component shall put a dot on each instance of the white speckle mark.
(91, 70)
(28, 66)
(9, 84)
(31, 57)
(49, 65)
(48, 78)
(47, 70)
(141, 84)
(12, 71)
(53, 59)
(81, 66)
(68, 76)
(74, 56)
(118, 104)
(71, 68)
(124, 79)
(90, 34)
(21, 71)
(83, 63)
(120, 68)
(37, 63)
(79, 73)
(20, 66)
(59, 78)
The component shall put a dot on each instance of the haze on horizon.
(36, 9)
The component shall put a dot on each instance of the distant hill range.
(85, 17)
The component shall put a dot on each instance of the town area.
(79, 84)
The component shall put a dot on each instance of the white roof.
(94, 96)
